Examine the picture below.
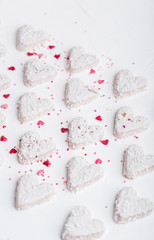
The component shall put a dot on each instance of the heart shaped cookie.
(2, 120)
(125, 84)
(80, 61)
(126, 124)
(80, 174)
(36, 72)
(80, 225)
(129, 207)
(77, 94)
(80, 134)
(27, 38)
(30, 192)
(3, 50)
(32, 148)
(5, 82)
(31, 107)
(135, 163)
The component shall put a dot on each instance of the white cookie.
(3, 50)
(2, 159)
(27, 38)
(125, 84)
(30, 107)
(129, 207)
(79, 60)
(30, 192)
(126, 124)
(32, 148)
(80, 134)
(77, 94)
(135, 163)
(2, 120)
(80, 174)
(80, 225)
(5, 82)
(36, 72)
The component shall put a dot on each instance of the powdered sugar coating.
(80, 174)
(5, 82)
(129, 207)
(126, 124)
(80, 225)
(30, 193)
(125, 84)
(27, 38)
(77, 94)
(3, 50)
(2, 120)
(30, 107)
(36, 72)
(135, 163)
(32, 148)
(81, 134)
(79, 60)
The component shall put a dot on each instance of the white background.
(118, 30)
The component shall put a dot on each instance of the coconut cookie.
(125, 84)
(3, 50)
(80, 134)
(129, 207)
(135, 163)
(79, 60)
(31, 107)
(126, 124)
(30, 192)
(36, 72)
(2, 120)
(5, 82)
(78, 94)
(28, 38)
(80, 174)
(81, 225)
(32, 148)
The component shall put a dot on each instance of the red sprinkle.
(31, 54)
(64, 130)
(40, 123)
(3, 139)
(4, 106)
(57, 56)
(11, 68)
(51, 47)
(92, 71)
(100, 81)
(47, 163)
(41, 172)
(123, 126)
(105, 142)
(13, 151)
(98, 118)
(6, 95)
(98, 161)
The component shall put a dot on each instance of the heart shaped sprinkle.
(32, 148)
(30, 107)
(125, 84)
(30, 192)
(126, 124)
(80, 61)
(77, 94)
(81, 225)
(80, 134)
(129, 207)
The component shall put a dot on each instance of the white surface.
(121, 31)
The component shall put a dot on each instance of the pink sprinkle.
(57, 56)
(51, 47)
(92, 71)
(40, 55)
(31, 54)
(47, 163)
(4, 106)
(11, 68)
(100, 81)
(98, 161)
(41, 172)
(40, 123)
